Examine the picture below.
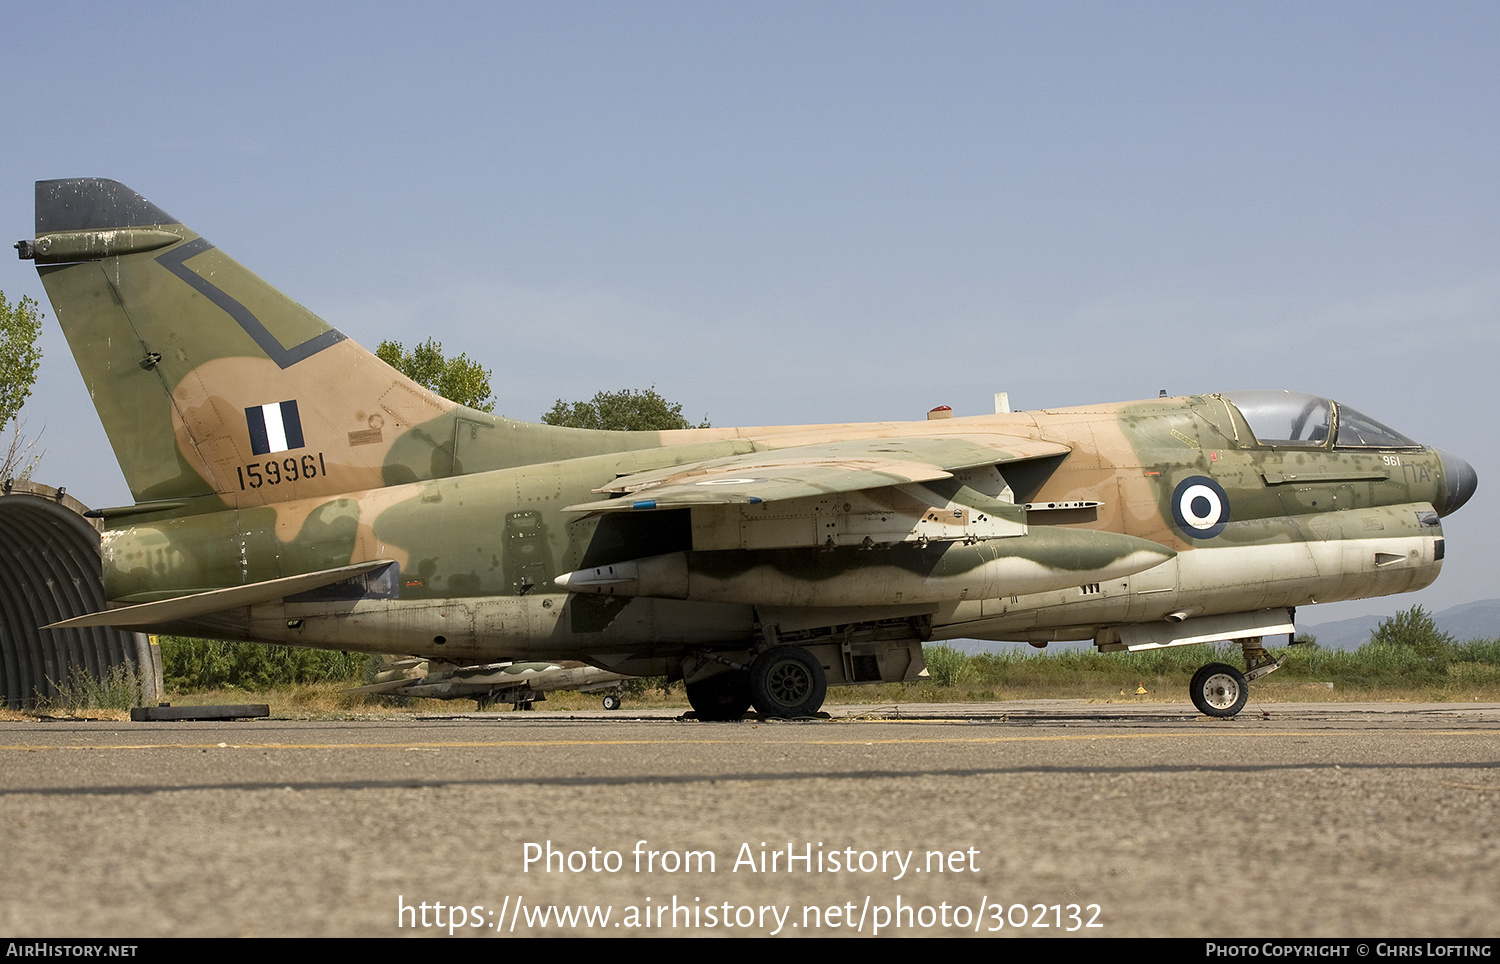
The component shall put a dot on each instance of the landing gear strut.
(1221, 690)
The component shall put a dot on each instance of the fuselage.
(476, 554)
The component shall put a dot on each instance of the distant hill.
(1474, 620)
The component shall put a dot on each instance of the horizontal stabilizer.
(218, 600)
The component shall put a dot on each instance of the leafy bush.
(199, 664)
(946, 666)
(1413, 628)
(639, 686)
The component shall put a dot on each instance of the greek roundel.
(1200, 507)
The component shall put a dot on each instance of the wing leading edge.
(820, 469)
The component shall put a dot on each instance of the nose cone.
(1459, 479)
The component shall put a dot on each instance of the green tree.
(1413, 629)
(20, 326)
(627, 410)
(460, 379)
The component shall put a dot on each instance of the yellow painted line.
(970, 741)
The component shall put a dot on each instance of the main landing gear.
(1220, 690)
(787, 681)
(720, 698)
(784, 682)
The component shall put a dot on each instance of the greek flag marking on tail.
(274, 428)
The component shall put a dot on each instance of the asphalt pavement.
(1046, 818)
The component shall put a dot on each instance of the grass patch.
(1469, 673)
(82, 695)
(313, 683)
(1377, 671)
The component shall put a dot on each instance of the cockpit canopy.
(1283, 418)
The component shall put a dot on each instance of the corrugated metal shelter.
(50, 569)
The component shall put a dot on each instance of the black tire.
(1219, 690)
(612, 701)
(787, 681)
(720, 698)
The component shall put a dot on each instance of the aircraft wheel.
(612, 701)
(720, 698)
(1219, 690)
(787, 681)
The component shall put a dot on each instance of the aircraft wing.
(811, 470)
(217, 600)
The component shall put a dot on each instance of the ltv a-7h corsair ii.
(520, 684)
(291, 488)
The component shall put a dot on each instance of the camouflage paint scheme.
(520, 684)
(292, 488)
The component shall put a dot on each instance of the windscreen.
(1358, 430)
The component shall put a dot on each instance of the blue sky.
(799, 212)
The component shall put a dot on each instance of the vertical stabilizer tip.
(93, 204)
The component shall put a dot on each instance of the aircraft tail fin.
(208, 380)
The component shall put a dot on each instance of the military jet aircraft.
(291, 488)
(520, 684)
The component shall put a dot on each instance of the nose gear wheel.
(1219, 690)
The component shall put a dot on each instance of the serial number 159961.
(275, 472)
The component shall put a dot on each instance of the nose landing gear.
(1221, 691)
